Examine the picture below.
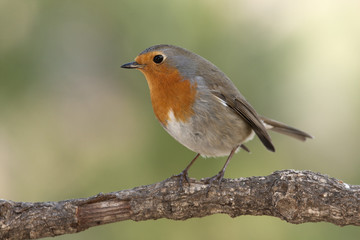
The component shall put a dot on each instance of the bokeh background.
(73, 123)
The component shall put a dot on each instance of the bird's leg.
(220, 174)
(184, 174)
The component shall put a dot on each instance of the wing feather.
(248, 113)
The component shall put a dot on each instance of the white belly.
(208, 137)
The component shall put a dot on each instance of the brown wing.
(246, 111)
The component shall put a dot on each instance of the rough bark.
(294, 196)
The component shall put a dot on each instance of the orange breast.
(169, 91)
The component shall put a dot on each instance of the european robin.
(198, 105)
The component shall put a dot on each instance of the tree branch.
(294, 196)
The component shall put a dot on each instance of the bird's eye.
(158, 59)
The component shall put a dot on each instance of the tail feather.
(285, 129)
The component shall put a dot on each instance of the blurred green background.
(73, 123)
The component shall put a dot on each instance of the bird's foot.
(183, 176)
(217, 178)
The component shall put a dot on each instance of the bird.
(200, 107)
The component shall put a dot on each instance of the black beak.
(132, 65)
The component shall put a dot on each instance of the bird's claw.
(218, 177)
(183, 176)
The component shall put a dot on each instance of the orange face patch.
(168, 89)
